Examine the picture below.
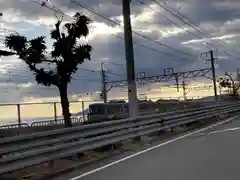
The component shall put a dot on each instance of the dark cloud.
(216, 18)
(209, 11)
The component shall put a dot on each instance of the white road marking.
(151, 148)
(224, 130)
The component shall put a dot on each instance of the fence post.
(55, 111)
(83, 113)
(19, 115)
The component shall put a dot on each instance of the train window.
(144, 106)
(113, 108)
(125, 108)
(97, 109)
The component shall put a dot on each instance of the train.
(99, 112)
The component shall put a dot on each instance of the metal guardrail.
(29, 150)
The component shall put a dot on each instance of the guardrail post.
(51, 163)
(19, 115)
(55, 111)
(138, 138)
(83, 113)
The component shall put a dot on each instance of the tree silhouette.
(229, 83)
(6, 53)
(55, 69)
(225, 83)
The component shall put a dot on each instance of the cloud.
(219, 18)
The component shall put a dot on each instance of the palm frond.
(16, 43)
(81, 25)
(6, 53)
(38, 44)
(82, 52)
(46, 78)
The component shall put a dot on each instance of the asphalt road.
(207, 155)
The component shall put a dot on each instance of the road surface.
(208, 154)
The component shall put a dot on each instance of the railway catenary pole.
(104, 84)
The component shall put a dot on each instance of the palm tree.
(58, 68)
(6, 53)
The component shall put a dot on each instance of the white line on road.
(224, 130)
(151, 148)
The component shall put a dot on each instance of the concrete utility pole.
(104, 84)
(132, 91)
(213, 74)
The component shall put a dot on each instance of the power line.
(115, 74)
(42, 4)
(183, 20)
(119, 37)
(200, 27)
(25, 69)
(26, 77)
(140, 35)
(74, 77)
(200, 38)
(19, 73)
(210, 45)
(171, 21)
(6, 31)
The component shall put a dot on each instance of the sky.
(219, 22)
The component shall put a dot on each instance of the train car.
(104, 112)
(116, 110)
(119, 110)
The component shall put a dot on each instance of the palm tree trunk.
(65, 105)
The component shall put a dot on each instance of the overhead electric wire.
(183, 20)
(119, 37)
(204, 31)
(20, 72)
(29, 77)
(113, 63)
(200, 38)
(171, 21)
(140, 35)
(74, 77)
(52, 9)
(115, 74)
(12, 70)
